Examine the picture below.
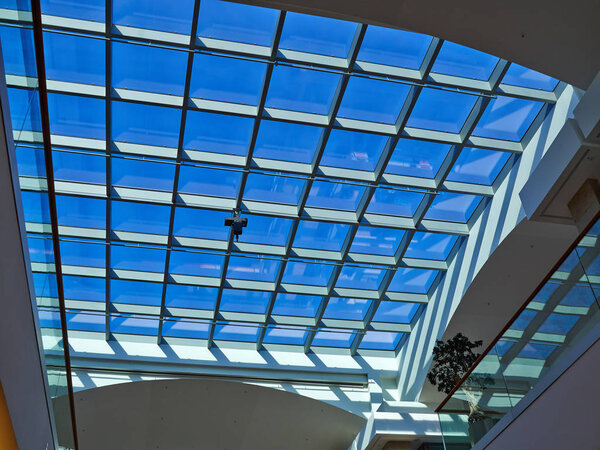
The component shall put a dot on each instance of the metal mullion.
(244, 178)
(186, 93)
(108, 126)
(38, 37)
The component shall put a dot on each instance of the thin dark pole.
(38, 38)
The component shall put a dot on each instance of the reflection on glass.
(321, 235)
(478, 166)
(440, 110)
(218, 133)
(453, 207)
(255, 302)
(287, 141)
(74, 59)
(507, 118)
(324, 194)
(376, 241)
(459, 61)
(296, 305)
(353, 150)
(417, 158)
(394, 47)
(517, 75)
(346, 308)
(380, 340)
(174, 17)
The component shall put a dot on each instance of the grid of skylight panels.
(360, 155)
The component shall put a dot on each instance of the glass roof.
(360, 155)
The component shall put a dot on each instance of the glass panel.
(332, 337)
(254, 269)
(302, 90)
(296, 305)
(217, 133)
(142, 174)
(175, 17)
(81, 212)
(237, 22)
(267, 230)
(394, 47)
(255, 302)
(287, 141)
(18, 51)
(507, 118)
(86, 254)
(346, 308)
(137, 258)
(74, 59)
(145, 124)
(360, 278)
(312, 274)
(236, 331)
(200, 223)
(395, 312)
(285, 335)
(417, 158)
(186, 328)
(135, 292)
(79, 167)
(314, 34)
(459, 61)
(148, 68)
(415, 281)
(86, 321)
(436, 246)
(195, 263)
(380, 340)
(373, 100)
(227, 79)
(84, 288)
(517, 75)
(321, 235)
(140, 217)
(441, 110)
(90, 10)
(558, 324)
(45, 285)
(274, 189)
(40, 249)
(324, 194)
(190, 297)
(132, 324)
(213, 182)
(72, 115)
(353, 150)
(478, 166)
(30, 161)
(24, 110)
(377, 241)
(395, 202)
(35, 207)
(453, 207)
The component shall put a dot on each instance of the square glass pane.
(90, 10)
(436, 246)
(373, 100)
(74, 59)
(273, 189)
(321, 235)
(286, 141)
(517, 75)
(353, 150)
(578, 295)
(142, 174)
(237, 22)
(253, 269)
(86, 254)
(296, 305)
(275, 334)
(84, 288)
(81, 211)
(190, 297)
(524, 319)
(441, 110)
(79, 167)
(145, 124)
(395, 202)
(196, 263)
(267, 230)
(377, 241)
(213, 182)
(459, 61)
(18, 51)
(324, 194)
(413, 281)
(200, 223)
(86, 321)
(537, 350)
(507, 118)
(73, 115)
(24, 110)
(315, 34)
(453, 207)
(135, 292)
(546, 292)
(395, 312)
(49, 318)
(175, 17)
(140, 217)
(332, 337)
(148, 68)
(19, 5)
(394, 47)
(558, 324)
(353, 277)
(303, 90)
(478, 166)
(45, 285)
(133, 324)
(227, 79)
(186, 328)
(145, 259)
(311, 274)
(30, 162)
(236, 331)
(347, 308)
(254, 302)
(217, 133)
(380, 340)
(35, 207)
(41, 249)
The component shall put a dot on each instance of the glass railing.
(554, 320)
